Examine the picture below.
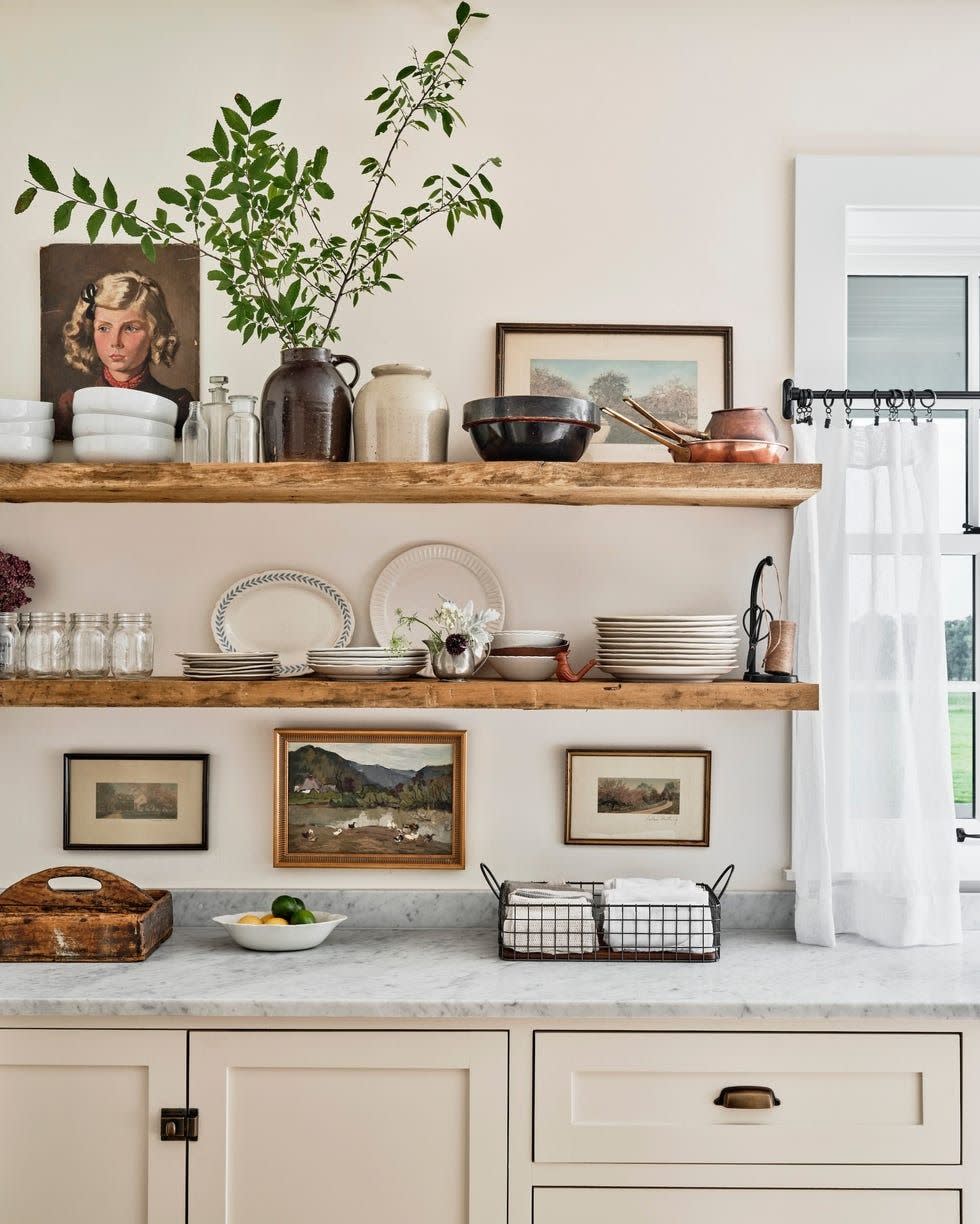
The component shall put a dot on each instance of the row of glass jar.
(85, 645)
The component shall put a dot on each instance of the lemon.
(272, 920)
(302, 917)
(250, 920)
(285, 906)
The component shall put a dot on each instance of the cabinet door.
(587, 1206)
(372, 1126)
(80, 1126)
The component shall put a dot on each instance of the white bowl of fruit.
(288, 927)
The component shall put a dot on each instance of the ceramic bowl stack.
(26, 431)
(367, 663)
(535, 653)
(113, 425)
(202, 665)
(667, 647)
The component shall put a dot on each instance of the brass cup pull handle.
(747, 1096)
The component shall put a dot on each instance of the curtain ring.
(848, 399)
(876, 396)
(895, 399)
(910, 397)
(928, 407)
(828, 401)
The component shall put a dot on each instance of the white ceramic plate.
(366, 652)
(367, 671)
(707, 619)
(287, 611)
(118, 448)
(14, 449)
(656, 655)
(25, 410)
(417, 579)
(27, 429)
(87, 424)
(667, 634)
(227, 657)
(299, 938)
(650, 671)
(117, 401)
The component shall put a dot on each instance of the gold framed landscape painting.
(392, 799)
(636, 797)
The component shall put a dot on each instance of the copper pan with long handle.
(712, 450)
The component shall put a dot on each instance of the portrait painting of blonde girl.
(120, 331)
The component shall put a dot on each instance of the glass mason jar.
(9, 645)
(46, 648)
(88, 649)
(132, 645)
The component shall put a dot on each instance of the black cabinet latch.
(178, 1125)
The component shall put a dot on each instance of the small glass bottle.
(243, 430)
(132, 645)
(88, 649)
(9, 645)
(46, 648)
(195, 436)
(215, 414)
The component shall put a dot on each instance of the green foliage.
(257, 215)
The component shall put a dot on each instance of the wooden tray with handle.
(115, 922)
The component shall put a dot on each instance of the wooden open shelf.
(308, 692)
(571, 484)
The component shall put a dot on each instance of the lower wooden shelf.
(308, 692)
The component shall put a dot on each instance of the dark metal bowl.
(553, 428)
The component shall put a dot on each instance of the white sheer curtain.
(873, 831)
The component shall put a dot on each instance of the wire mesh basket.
(572, 921)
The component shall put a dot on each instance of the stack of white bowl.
(366, 663)
(542, 646)
(26, 431)
(113, 425)
(667, 647)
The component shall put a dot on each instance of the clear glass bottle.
(20, 658)
(9, 644)
(195, 437)
(242, 444)
(215, 414)
(46, 648)
(88, 649)
(132, 645)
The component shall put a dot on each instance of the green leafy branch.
(257, 215)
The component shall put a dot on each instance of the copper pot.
(743, 423)
(729, 450)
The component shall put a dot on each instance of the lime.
(302, 917)
(285, 907)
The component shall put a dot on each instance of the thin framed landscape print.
(637, 797)
(139, 801)
(370, 799)
(679, 374)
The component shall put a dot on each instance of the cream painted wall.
(648, 178)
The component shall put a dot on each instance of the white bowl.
(27, 429)
(542, 638)
(87, 424)
(14, 449)
(25, 410)
(517, 668)
(119, 402)
(119, 448)
(258, 938)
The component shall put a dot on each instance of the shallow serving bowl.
(16, 449)
(509, 639)
(25, 410)
(89, 424)
(27, 429)
(511, 668)
(119, 448)
(117, 401)
(259, 938)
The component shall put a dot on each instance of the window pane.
(952, 471)
(958, 612)
(961, 736)
(906, 331)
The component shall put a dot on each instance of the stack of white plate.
(26, 431)
(113, 425)
(367, 663)
(667, 647)
(202, 665)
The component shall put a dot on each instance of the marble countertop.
(448, 974)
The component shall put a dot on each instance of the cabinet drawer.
(651, 1098)
(562, 1205)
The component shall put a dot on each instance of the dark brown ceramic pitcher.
(306, 407)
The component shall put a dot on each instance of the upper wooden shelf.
(571, 484)
(307, 692)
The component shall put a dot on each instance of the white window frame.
(835, 199)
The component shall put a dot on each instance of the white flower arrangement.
(465, 625)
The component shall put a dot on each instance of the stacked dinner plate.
(667, 647)
(367, 663)
(115, 425)
(201, 665)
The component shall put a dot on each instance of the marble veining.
(435, 974)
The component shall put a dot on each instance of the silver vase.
(464, 666)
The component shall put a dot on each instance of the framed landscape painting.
(637, 797)
(679, 374)
(370, 799)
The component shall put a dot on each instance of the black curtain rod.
(891, 397)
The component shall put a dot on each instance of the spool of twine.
(782, 644)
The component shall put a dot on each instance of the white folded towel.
(657, 915)
(549, 921)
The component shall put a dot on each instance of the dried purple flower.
(15, 578)
(456, 643)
